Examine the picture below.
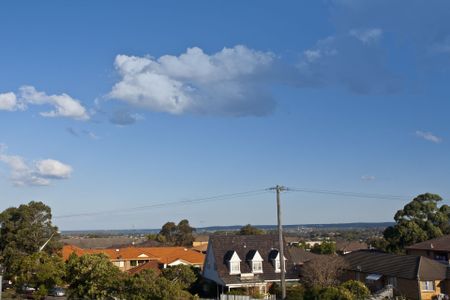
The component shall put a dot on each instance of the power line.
(230, 196)
(166, 204)
(350, 194)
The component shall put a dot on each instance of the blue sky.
(110, 105)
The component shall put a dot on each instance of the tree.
(93, 277)
(23, 231)
(357, 288)
(335, 293)
(181, 274)
(41, 270)
(178, 235)
(420, 220)
(250, 230)
(326, 247)
(184, 236)
(147, 285)
(322, 271)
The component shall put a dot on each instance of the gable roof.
(300, 256)
(349, 246)
(165, 255)
(246, 246)
(401, 266)
(437, 244)
(151, 265)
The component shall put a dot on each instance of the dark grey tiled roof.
(246, 246)
(300, 256)
(402, 266)
(438, 244)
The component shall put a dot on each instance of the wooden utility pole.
(279, 189)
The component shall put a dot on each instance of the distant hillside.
(292, 228)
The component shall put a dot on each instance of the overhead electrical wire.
(166, 204)
(231, 196)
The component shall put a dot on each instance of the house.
(200, 240)
(345, 247)
(300, 256)
(251, 262)
(129, 257)
(415, 277)
(437, 249)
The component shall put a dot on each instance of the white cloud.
(229, 82)
(367, 36)
(53, 169)
(428, 136)
(8, 101)
(64, 105)
(368, 178)
(38, 174)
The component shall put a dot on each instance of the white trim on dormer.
(256, 263)
(276, 263)
(143, 255)
(234, 264)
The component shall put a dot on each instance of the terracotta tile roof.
(438, 244)
(151, 265)
(165, 255)
(401, 266)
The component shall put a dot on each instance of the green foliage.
(178, 235)
(250, 230)
(92, 277)
(335, 293)
(147, 285)
(182, 275)
(23, 231)
(326, 247)
(40, 270)
(420, 220)
(358, 289)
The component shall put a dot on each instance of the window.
(119, 263)
(234, 263)
(133, 263)
(392, 281)
(427, 285)
(276, 263)
(235, 267)
(257, 267)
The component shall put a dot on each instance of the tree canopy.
(177, 235)
(250, 230)
(420, 220)
(23, 231)
(92, 277)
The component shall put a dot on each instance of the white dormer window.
(256, 263)
(276, 263)
(235, 264)
(257, 267)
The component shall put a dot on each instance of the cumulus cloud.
(9, 102)
(51, 168)
(428, 136)
(39, 173)
(229, 82)
(63, 104)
